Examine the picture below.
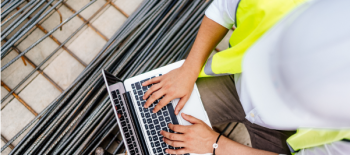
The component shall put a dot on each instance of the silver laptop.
(139, 127)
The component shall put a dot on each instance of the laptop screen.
(110, 79)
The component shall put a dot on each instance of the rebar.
(120, 145)
(41, 39)
(52, 54)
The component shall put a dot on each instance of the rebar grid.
(63, 47)
(88, 21)
(41, 39)
(20, 99)
(26, 59)
(119, 9)
(6, 141)
(60, 44)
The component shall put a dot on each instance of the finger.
(156, 95)
(173, 136)
(119, 115)
(174, 143)
(177, 151)
(191, 119)
(151, 81)
(178, 128)
(163, 102)
(151, 90)
(181, 104)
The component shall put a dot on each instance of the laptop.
(139, 127)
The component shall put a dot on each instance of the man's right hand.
(178, 83)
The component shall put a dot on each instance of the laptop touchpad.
(192, 107)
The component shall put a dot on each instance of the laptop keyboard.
(154, 122)
(125, 123)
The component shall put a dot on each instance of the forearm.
(209, 35)
(227, 146)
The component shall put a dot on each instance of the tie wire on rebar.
(80, 119)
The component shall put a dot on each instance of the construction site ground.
(61, 70)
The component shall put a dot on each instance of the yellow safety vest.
(308, 138)
(253, 19)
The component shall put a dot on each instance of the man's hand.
(197, 138)
(177, 83)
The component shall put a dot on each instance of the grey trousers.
(222, 104)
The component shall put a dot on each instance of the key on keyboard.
(126, 125)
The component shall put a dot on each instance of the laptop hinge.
(136, 123)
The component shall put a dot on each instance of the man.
(281, 87)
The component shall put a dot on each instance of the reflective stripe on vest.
(253, 19)
(307, 138)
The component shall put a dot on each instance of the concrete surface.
(62, 68)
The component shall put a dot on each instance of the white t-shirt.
(223, 12)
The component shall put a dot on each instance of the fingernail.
(166, 151)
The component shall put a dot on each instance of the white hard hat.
(302, 65)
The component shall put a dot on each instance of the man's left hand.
(197, 138)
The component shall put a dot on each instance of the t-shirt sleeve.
(223, 12)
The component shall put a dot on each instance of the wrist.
(190, 71)
(211, 142)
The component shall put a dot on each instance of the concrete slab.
(109, 21)
(39, 93)
(42, 50)
(7, 101)
(128, 6)
(64, 69)
(67, 29)
(4, 61)
(7, 150)
(52, 58)
(3, 92)
(88, 12)
(87, 45)
(30, 79)
(23, 134)
(13, 118)
(15, 72)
